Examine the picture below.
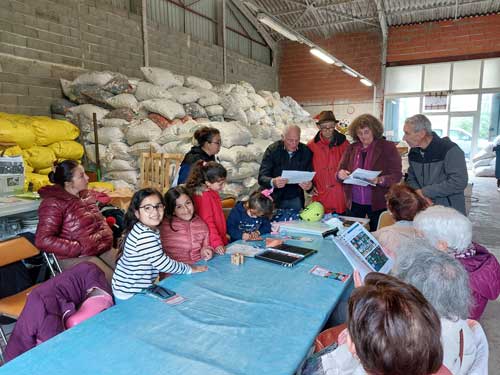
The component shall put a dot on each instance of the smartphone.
(160, 292)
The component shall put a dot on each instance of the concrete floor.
(486, 231)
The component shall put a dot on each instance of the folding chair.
(385, 220)
(11, 251)
(158, 171)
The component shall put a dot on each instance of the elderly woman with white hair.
(450, 231)
(444, 283)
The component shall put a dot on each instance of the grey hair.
(289, 127)
(420, 122)
(439, 223)
(440, 278)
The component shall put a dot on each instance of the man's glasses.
(327, 128)
(149, 208)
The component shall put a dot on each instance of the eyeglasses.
(216, 143)
(329, 128)
(149, 208)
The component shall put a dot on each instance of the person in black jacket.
(209, 144)
(287, 154)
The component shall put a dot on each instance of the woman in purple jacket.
(369, 151)
(450, 231)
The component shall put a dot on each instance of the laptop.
(285, 255)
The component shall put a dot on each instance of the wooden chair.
(158, 171)
(11, 251)
(385, 220)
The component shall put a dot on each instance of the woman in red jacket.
(70, 223)
(327, 147)
(184, 235)
(204, 183)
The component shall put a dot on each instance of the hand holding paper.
(362, 177)
(297, 177)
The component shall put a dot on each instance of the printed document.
(362, 177)
(297, 177)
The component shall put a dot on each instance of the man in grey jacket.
(438, 170)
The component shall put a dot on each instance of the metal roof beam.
(250, 16)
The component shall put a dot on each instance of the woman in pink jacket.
(184, 235)
(205, 182)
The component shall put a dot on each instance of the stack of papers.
(361, 177)
(297, 177)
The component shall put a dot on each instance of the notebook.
(285, 255)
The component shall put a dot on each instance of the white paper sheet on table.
(361, 177)
(296, 177)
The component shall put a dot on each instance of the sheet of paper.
(246, 250)
(361, 177)
(297, 177)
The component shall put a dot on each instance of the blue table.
(256, 318)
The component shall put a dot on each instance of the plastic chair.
(385, 220)
(159, 170)
(11, 251)
(328, 337)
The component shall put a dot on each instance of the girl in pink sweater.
(204, 183)
(184, 235)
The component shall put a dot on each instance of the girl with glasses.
(184, 235)
(141, 257)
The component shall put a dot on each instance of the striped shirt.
(141, 262)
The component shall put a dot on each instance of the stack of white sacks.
(484, 161)
(161, 114)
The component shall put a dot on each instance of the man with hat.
(327, 147)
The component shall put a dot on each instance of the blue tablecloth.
(256, 318)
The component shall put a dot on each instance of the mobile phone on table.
(159, 292)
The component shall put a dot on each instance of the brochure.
(297, 177)
(362, 250)
(361, 177)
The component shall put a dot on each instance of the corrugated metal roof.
(320, 18)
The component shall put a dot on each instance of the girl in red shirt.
(204, 183)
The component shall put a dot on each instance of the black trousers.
(364, 210)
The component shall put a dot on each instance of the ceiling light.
(350, 72)
(326, 57)
(339, 63)
(366, 82)
(276, 26)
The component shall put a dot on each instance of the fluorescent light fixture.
(366, 82)
(277, 26)
(348, 71)
(339, 63)
(326, 57)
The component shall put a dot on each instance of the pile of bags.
(40, 141)
(161, 112)
(484, 161)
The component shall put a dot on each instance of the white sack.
(124, 101)
(193, 82)
(160, 77)
(164, 107)
(144, 131)
(184, 95)
(106, 135)
(146, 91)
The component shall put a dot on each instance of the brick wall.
(319, 86)
(461, 39)
(44, 40)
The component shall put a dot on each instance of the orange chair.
(11, 251)
(328, 337)
(385, 220)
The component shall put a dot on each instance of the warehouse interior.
(259, 65)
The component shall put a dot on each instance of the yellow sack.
(27, 168)
(44, 171)
(67, 150)
(61, 160)
(101, 186)
(39, 157)
(37, 180)
(48, 131)
(12, 131)
(13, 151)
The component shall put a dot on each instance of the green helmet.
(313, 212)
